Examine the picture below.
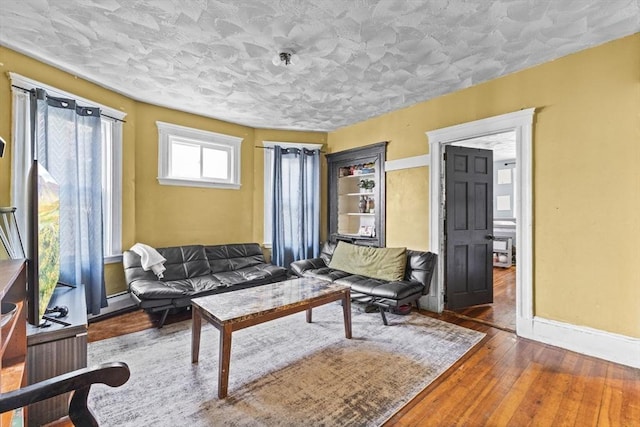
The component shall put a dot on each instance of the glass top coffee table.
(232, 311)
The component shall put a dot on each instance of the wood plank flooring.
(502, 313)
(503, 381)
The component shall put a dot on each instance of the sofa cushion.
(263, 273)
(381, 288)
(233, 256)
(378, 263)
(326, 273)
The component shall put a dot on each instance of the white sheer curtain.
(69, 146)
(77, 159)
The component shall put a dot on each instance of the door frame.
(521, 122)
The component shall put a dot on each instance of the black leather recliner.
(381, 293)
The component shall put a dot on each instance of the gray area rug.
(283, 373)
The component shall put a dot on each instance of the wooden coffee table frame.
(228, 326)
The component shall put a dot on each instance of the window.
(268, 181)
(111, 155)
(197, 158)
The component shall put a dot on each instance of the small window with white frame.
(197, 158)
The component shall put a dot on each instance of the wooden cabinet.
(57, 349)
(356, 195)
(13, 336)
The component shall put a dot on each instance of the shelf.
(502, 247)
(357, 214)
(359, 194)
(364, 175)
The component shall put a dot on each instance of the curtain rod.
(103, 115)
(271, 148)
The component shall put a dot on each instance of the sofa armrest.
(420, 268)
(299, 267)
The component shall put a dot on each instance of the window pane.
(185, 160)
(215, 163)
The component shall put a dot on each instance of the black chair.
(113, 374)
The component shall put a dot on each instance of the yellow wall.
(152, 213)
(586, 152)
(168, 215)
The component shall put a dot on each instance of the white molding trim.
(27, 83)
(406, 163)
(592, 342)
(179, 182)
(522, 123)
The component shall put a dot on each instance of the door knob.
(490, 237)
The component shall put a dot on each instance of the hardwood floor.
(502, 313)
(503, 381)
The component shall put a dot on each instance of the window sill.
(196, 183)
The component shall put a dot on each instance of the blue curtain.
(68, 142)
(296, 205)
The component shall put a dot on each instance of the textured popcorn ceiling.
(356, 58)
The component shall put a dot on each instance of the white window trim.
(116, 192)
(202, 137)
(268, 181)
(118, 117)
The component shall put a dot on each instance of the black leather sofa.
(381, 293)
(197, 270)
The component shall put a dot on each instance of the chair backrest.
(113, 374)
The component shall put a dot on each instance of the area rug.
(283, 373)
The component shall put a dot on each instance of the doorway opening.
(521, 124)
(501, 311)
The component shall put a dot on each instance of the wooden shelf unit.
(13, 335)
(346, 216)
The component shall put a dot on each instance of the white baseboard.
(581, 339)
(429, 303)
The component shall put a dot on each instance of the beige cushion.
(378, 263)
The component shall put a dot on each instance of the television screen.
(44, 250)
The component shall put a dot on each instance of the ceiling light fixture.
(285, 57)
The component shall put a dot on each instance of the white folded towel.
(150, 259)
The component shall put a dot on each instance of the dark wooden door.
(468, 226)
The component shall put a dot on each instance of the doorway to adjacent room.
(489, 291)
(520, 124)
